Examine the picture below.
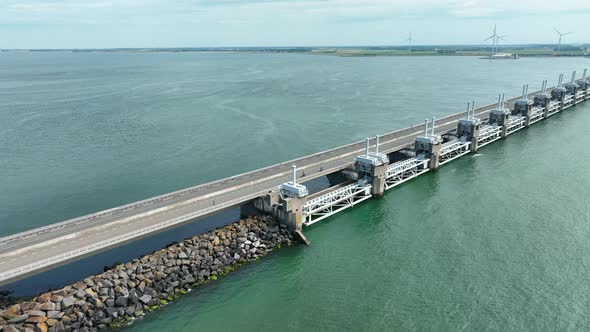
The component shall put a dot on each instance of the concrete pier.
(572, 88)
(542, 100)
(500, 116)
(428, 146)
(292, 198)
(372, 166)
(378, 183)
(468, 128)
(584, 84)
(524, 106)
(558, 94)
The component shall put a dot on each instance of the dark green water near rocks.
(493, 241)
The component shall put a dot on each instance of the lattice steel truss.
(322, 207)
(553, 108)
(515, 124)
(453, 150)
(489, 134)
(580, 96)
(536, 114)
(568, 101)
(405, 170)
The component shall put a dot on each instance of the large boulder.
(18, 319)
(89, 292)
(48, 306)
(36, 319)
(145, 299)
(67, 302)
(10, 328)
(36, 313)
(121, 301)
(133, 297)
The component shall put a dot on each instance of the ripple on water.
(492, 242)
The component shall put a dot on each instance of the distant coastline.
(355, 51)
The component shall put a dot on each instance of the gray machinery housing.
(500, 115)
(542, 100)
(583, 82)
(572, 87)
(468, 128)
(523, 106)
(425, 145)
(559, 92)
(428, 145)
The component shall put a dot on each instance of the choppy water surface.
(492, 241)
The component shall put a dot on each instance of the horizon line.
(281, 47)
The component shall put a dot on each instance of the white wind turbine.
(559, 40)
(495, 41)
(409, 41)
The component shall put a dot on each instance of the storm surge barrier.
(356, 172)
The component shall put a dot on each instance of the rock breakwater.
(128, 291)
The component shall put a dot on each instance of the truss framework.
(324, 206)
(489, 134)
(453, 150)
(405, 170)
(515, 124)
(536, 114)
(553, 108)
(568, 101)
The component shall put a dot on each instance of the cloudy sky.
(202, 23)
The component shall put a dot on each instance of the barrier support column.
(584, 84)
(524, 106)
(289, 209)
(572, 89)
(542, 101)
(468, 128)
(558, 93)
(372, 166)
(500, 116)
(378, 183)
(289, 213)
(428, 146)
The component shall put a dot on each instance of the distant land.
(362, 51)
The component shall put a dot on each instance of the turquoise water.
(494, 241)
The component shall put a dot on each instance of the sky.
(224, 23)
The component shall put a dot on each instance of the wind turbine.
(559, 40)
(409, 40)
(495, 41)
